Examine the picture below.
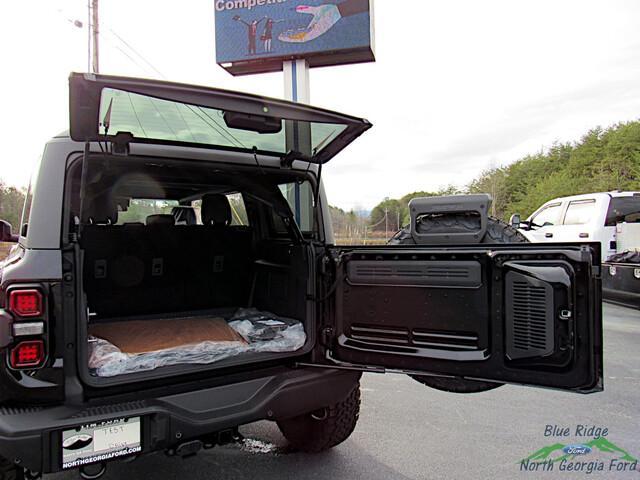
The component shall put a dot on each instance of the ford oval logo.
(577, 449)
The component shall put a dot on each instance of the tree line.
(602, 160)
(11, 203)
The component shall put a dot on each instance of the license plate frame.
(100, 442)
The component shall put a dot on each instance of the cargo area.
(187, 264)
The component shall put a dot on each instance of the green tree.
(11, 203)
(388, 214)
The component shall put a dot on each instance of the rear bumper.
(31, 437)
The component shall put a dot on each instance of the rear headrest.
(184, 215)
(215, 209)
(160, 219)
(101, 210)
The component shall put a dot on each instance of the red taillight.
(27, 354)
(25, 303)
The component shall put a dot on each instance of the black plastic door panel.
(523, 314)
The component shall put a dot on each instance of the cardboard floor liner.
(142, 336)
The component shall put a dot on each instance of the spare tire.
(497, 232)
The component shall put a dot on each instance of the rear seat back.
(219, 258)
(137, 269)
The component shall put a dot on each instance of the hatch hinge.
(286, 161)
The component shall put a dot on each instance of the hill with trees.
(11, 203)
(602, 160)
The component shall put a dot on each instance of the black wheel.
(8, 471)
(497, 232)
(323, 429)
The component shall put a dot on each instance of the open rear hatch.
(149, 111)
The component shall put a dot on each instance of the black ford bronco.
(170, 213)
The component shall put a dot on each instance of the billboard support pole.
(296, 89)
(296, 80)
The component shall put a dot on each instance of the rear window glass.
(154, 118)
(580, 212)
(623, 209)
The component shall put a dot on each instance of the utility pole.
(88, 35)
(96, 33)
(386, 222)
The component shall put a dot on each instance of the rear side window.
(580, 212)
(238, 210)
(623, 209)
(300, 199)
(548, 215)
(28, 201)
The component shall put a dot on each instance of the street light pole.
(96, 33)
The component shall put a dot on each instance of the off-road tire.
(324, 429)
(8, 471)
(501, 232)
(497, 232)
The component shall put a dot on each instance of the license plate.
(99, 442)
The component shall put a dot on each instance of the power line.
(130, 47)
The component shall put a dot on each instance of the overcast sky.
(458, 86)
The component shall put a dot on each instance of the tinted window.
(238, 210)
(549, 215)
(580, 212)
(148, 117)
(623, 209)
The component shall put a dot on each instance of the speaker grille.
(529, 317)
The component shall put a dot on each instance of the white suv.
(581, 218)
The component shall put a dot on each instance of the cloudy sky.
(458, 86)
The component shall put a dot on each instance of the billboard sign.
(256, 36)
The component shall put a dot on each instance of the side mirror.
(515, 220)
(5, 232)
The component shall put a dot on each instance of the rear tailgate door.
(520, 313)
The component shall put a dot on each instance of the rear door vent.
(529, 317)
(423, 273)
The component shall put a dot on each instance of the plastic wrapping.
(262, 331)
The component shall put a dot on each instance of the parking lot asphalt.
(409, 431)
